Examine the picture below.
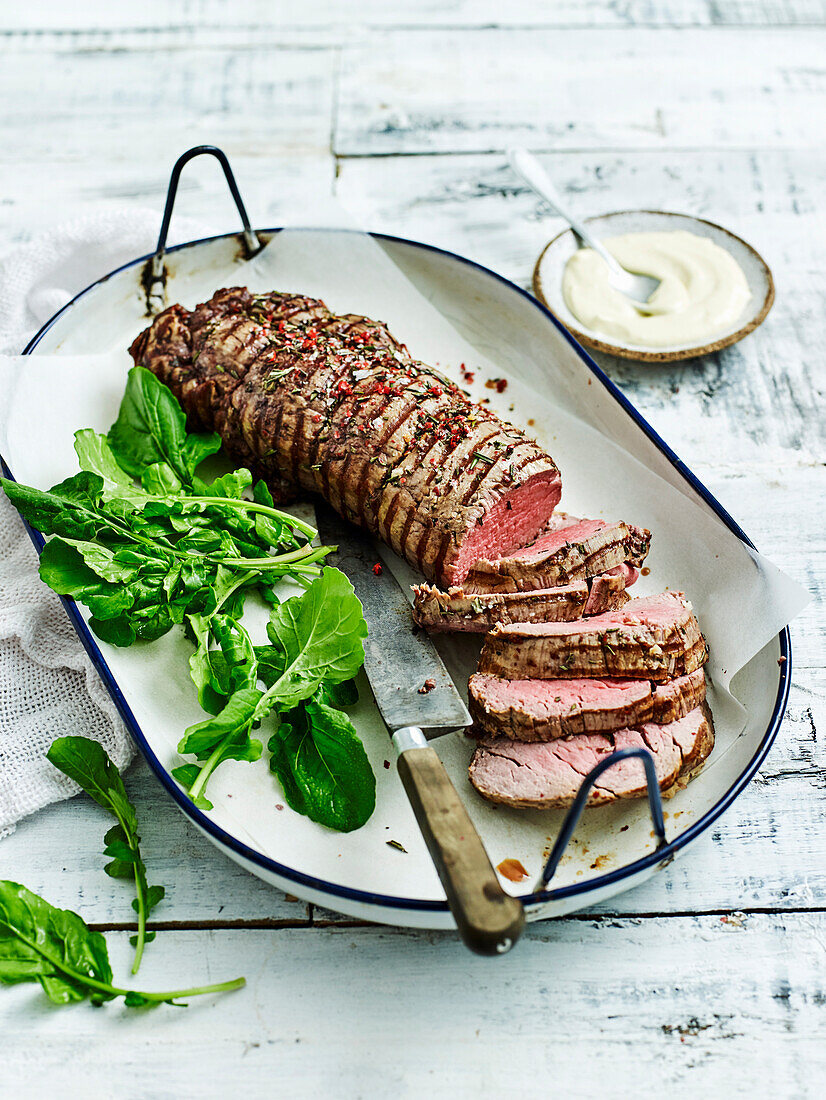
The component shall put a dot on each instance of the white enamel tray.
(359, 874)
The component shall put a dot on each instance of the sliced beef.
(606, 593)
(458, 610)
(629, 573)
(545, 775)
(678, 697)
(652, 638)
(335, 405)
(561, 555)
(543, 710)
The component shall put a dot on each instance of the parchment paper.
(741, 599)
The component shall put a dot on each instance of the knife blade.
(418, 701)
(410, 683)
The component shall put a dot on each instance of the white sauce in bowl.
(702, 292)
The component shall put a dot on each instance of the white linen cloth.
(48, 687)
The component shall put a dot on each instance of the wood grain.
(701, 107)
(183, 16)
(700, 1006)
(420, 92)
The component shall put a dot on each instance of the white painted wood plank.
(687, 1006)
(58, 853)
(136, 105)
(51, 15)
(761, 399)
(276, 190)
(419, 92)
(766, 851)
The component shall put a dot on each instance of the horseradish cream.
(702, 291)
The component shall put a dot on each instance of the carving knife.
(398, 663)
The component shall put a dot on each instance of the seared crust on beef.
(607, 593)
(336, 405)
(562, 556)
(652, 638)
(543, 710)
(548, 775)
(679, 697)
(459, 611)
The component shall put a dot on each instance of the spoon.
(638, 288)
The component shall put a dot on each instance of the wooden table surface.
(711, 978)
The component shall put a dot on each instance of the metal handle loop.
(155, 273)
(575, 812)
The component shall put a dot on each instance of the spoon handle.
(528, 167)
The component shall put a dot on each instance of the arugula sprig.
(317, 643)
(146, 544)
(55, 947)
(151, 431)
(321, 764)
(142, 557)
(87, 763)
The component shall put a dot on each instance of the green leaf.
(52, 946)
(323, 768)
(230, 486)
(55, 947)
(224, 737)
(117, 632)
(64, 570)
(210, 695)
(272, 661)
(108, 565)
(69, 509)
(153, 895)
(345, 694)
(187, 775)
(87, 763)
(151, 428)
(204, 737)
(95, 455)
(161, 479)
(320, 634)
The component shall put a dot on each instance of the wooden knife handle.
(489, 920)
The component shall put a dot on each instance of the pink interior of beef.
(585, 750)
(648, 610)
(630, 572)
(559, 696)
(551, 769)
(683, 732)
(553, 540)
(512, 522)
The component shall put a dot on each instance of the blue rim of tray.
(385, 900)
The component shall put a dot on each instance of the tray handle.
(154, 273)
(574, 813)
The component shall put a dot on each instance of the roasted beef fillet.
(544, 710)
(652, 638)
(545, 775)
(336, 406)
(569, 550)
(459, 611)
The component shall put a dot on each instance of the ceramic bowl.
(547, 281)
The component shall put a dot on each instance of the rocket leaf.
(87, 763)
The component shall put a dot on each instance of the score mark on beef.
(336, 405)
